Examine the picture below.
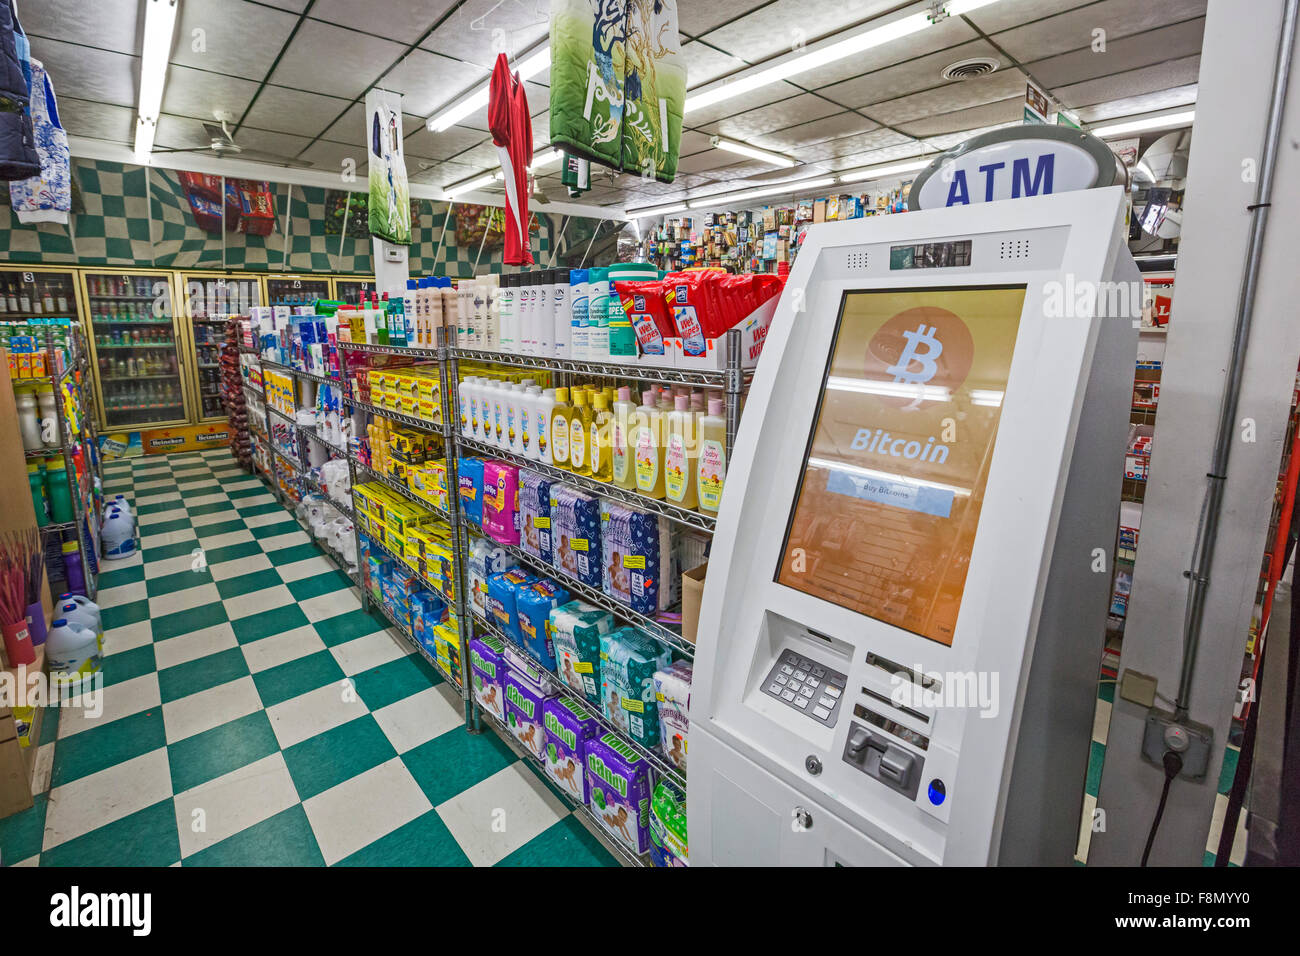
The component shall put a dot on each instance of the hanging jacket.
(512, 133)
(18, 157)
(46, 197)
(618, 84)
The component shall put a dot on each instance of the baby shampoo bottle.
(623, 412)
(561, 415)
(579, 434)
(681, 454)
(648, 448)
(711, 472)
(599, 446)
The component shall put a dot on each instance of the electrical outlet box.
(1194, 739)
(1138, 688)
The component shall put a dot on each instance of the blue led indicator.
(937, 792)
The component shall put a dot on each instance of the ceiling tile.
(180, 132)
(909, 76)
(705, 64)
(108, 24)
(1133, 105)
(329, 59)
(765, 119)
(296, 6)
(795, 139)
(905, 148)
(696, 18)
(398, 18)
(946, 141)
(271, 142)
(743, 103)
(444, 145)
(233, 37)
(776, 27)
(977, 116)
(199, 94)
(950, 97)
(1074, 30)
(330, 157)
(710, 160)
(693, 141)
(1006, 14)
(1142, 49)
(87, 73)
(1150, 79)
(291, 111)
(115, 124)
(471, 33)
(851, 145)
(428, 81)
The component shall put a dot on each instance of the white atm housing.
(929, 781)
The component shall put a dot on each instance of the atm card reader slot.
(876, 755)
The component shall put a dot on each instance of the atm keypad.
(807, 686)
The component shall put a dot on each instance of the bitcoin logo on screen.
(919, 355)
(933, 349)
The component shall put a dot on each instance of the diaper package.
(668, 826)
(502, 588)
(535, 514)
(428, 611)
(637, 559)
(628, 661)
(576, 629)
(501, 502)
(488, 664)
(529, 673)
(575, 534)
(485, 557)
(524, 713)
(673, 698)
(470, 478)
(533, 606)
(568, 725)
(620, 791)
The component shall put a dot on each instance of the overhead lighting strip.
(159, 29)
(530, 66)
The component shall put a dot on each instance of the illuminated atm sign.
(1012, 164)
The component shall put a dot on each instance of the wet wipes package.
(568, 725)
(619, 791)
(533, 606)
(535, 514)
(628, 661)
(524, 713)
(576, 629)
(637, 559)
(488, 664)
(502, 590)
(575, 535)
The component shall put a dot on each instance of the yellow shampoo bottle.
(648, 448)
(711, 472)
(681, 454)
(622, 412)
(560, 417)
(599, 446)
(579, 434)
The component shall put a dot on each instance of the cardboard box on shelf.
(692, 594)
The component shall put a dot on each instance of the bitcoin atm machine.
(905, 608)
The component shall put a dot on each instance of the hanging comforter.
(618, 84)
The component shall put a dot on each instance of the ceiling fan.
(222, 143)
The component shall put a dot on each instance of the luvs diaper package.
(637, 559)
(535, 514)
(569, 726)
(487, 663)
(533, 606)
(575, 534)
(576, 629)
(673, 698)
(628, 661)
(524, 712)
(619, 791)
(501, 502)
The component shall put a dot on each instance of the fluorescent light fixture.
(723, 199)
(655, 210)
(1165, 121)
(924, 393)
(753, 152)
(468, 185)
(880, 172)
(159, 28)
(471, 103)
(957, 8)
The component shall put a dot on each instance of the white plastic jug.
(79, 616)
(72, 652)
(117, 535)
(120, 501)
(86, 606)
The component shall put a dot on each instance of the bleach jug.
(80, 617)
(72, 652)
(117, 535)
(85, 605)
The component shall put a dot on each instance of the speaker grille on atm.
(858, 260)
(1013, 249)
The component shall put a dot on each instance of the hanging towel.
(47, 197)
(512, 133)
(618, 84)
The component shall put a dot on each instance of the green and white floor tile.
(254, 714)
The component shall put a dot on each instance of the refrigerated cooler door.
(296, 290)
(349, 291)
(136, 343)
(209, 299)
(37, 292)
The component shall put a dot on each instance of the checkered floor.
(254, 714)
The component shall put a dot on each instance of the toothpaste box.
(568, 725)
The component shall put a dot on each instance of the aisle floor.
(254, 714)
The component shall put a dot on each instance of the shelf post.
(734, 387)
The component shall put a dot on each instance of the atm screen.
(888, 503)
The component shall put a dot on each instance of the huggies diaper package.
(575, 535)
(501, 502)
(628, 661)
(524, 713)
(620, 791)
(533, 606)
(673, 698)
(568, 726)
(488, 665)
(637, 559)
(485, 558)
(576, 629)
(535, 514)
(469, 473)
(502, 588)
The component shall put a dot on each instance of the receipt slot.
(904, 614)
